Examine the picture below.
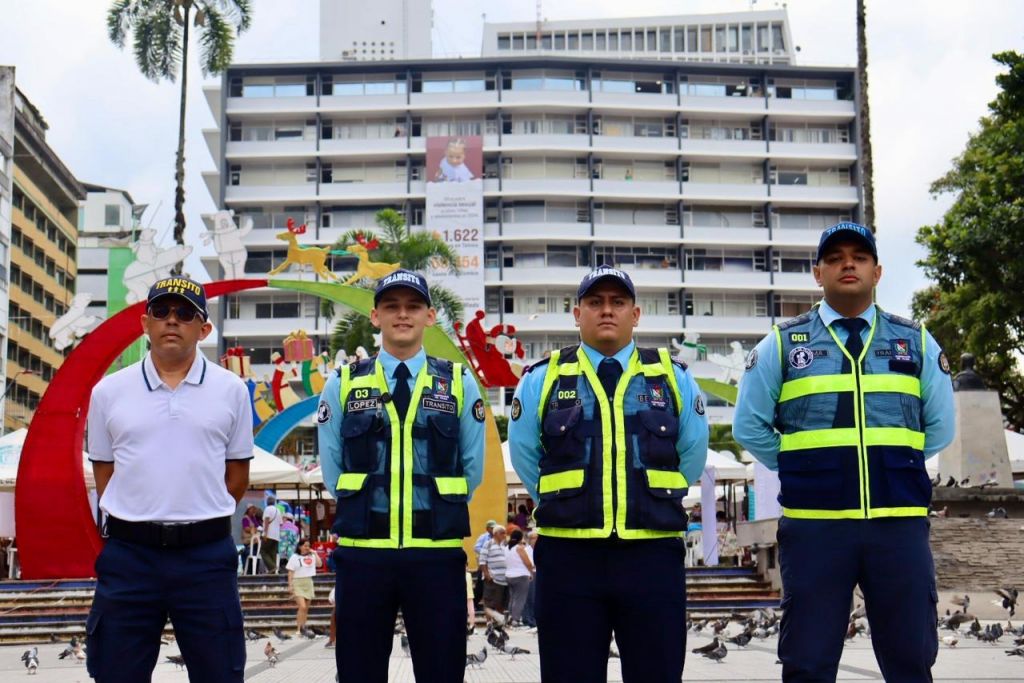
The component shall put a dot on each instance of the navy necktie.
(401, 394)
(609, 372)
(854, 346)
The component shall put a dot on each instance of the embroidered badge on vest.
(361, 404)
(901, 349)
(440, 385)
(801, 357)
(444, 406)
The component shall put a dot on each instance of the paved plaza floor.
(308, 661)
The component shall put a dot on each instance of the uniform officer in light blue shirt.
(606, 437)
(401, 439)
(846, 402)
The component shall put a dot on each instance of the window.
(278, 309)
(793, 261)
(112, 215)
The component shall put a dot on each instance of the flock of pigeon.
(963, 624)
(761, 624)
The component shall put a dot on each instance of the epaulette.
(358, 368)
(531, 368)
(900, 320)
(681, 364)
(801, 319)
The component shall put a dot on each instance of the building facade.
(383, 30)
(43, 261)
(6, 190)
(708, 182)
(108, 230)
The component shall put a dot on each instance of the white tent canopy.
(266, 469)
(10, 455)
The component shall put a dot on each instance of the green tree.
(415, 251)
(976, 301)
(160, 41)
(720, 439)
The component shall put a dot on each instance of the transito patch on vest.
(439, 405)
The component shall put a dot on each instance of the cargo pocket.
(354, 498)
(443, 444)
(906, 478)
(661, 499)
(450, 514)
(360, 434)
(561, 436)
(562, 503)
(233, 643)
(93, 640)
(658, 439)
(812, 480)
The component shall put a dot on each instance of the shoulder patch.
(478, 410)
(943, 362)
(323, 413)
(751, 360)
(698, 405)
(517, 408)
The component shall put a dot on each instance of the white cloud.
(931, 76)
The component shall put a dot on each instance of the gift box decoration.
(237, 361)
(298, 347)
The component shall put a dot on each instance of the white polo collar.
(196, 373)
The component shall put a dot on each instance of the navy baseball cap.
(183, 287)
(403, 278)
(602, 273)
(846, 230)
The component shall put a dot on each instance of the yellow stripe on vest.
(819, 438)
(898, 384)
(351, 481)
(570, 479)
(816, 384)
(664, 479)
(452, 486)
(894, 436)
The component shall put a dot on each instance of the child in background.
(453, 168)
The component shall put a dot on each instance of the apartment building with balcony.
(709, 182)
(6, 190)
(43, 261)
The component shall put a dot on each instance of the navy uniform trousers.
(588, 588)
(822, 560)
(427, 584)
(138, 587)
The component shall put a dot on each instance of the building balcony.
(814, 195)
(655, 278)
(725, 149)
(453, 100)
(577, 99)
(809, 151)
(378, 104)
(636, 101)
(364, 147)
(842, 110)
(694, 104)
(277, 149)
(360, 190)
(299, 194)
(636, 144)
(269, 327)
(539, 322)
(546, 232)
(726, 279)
(791, 237)
(250, 106)
(548, 142)
(541, 186)
(549, 278)
(746, 236)
(660, 324)
(731, 193)
(801, 282)
(627, 189)
(724, 324)
(625, 233)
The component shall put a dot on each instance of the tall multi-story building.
(6, 171)
(383, 30)
(709, 181)
(44, 236)
(108, 228)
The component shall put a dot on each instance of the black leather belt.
(169, 535)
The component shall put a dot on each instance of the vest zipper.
(615, 468)
(861, 451)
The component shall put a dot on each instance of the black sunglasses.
(185, 313)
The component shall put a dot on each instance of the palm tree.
(415, 251)
(867, 163)
(160, 39)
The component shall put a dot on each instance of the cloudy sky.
(931, 76)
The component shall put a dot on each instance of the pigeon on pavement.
(177, 660)
(476, 659)
(271, 654)
(713, 645)
(31, 659)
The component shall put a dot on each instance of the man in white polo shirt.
(170, 439)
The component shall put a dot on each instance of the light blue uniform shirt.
(471, 432)
(754, 420)
(524, 434)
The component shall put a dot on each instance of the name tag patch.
(799, 337)
(362, 404)
(431, 403)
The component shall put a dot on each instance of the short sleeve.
(240, 443)
(98, 444)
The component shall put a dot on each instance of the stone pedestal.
(978, 451)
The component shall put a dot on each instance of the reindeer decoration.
(368, 268)
(314, 257)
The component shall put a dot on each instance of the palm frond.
(157, 43)
(119, 19)
(216, 42)
(238, 12)
(449, 307)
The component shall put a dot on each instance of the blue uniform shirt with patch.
(524, 431)
(754, 419)
(329, 416)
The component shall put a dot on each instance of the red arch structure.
(57, 536)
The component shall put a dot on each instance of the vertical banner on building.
(455, 212)
(709, 516)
